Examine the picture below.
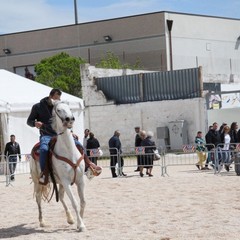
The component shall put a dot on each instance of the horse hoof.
(43, 224)
(82, 229)
(70, 221)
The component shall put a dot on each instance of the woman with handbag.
(147, 159)
(93, 148)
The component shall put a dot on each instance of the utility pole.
(75, 11)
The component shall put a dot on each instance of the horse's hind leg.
(38, 190)
(61, 197)
(80, 188)
(80, 225)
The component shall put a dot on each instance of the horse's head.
(62, 116)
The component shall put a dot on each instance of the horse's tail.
(35, 173)
(34, 170)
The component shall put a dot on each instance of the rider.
(40, 117)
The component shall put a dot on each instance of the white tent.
(17, 96)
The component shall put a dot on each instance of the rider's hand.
(38, 124)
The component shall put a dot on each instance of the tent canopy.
(17, 96)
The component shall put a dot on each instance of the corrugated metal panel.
(157, 86)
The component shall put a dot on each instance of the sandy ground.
(187, 204)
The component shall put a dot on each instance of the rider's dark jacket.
(42, 112)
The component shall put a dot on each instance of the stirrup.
(43, 179)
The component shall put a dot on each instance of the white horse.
(68, 166)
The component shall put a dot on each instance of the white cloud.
(25, 15)
(119, 9)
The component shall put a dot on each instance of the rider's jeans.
(44, 147)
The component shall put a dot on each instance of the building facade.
(193, 41)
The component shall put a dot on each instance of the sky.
(25, 15)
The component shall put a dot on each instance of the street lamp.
(169, 25)
(7, 51)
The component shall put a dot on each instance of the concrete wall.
(210, 42)
(103, 117)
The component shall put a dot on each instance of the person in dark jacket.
(12, 150)
(92, 143)
(115, 149)
(213, 139)
(233, 132)
(137, 144)
(147, 159)
(40, 117)
(209, 147)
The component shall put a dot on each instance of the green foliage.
(61, 71)
(110, 60)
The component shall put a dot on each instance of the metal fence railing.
(217, 158)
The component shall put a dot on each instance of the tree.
(110, 60)
(61, 71)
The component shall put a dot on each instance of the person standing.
(92, 143)
(209, 148)
(213, 138)
(85, 138)
(225, 149)
(12, 150)
(233, 133)
(146, 160)
(200, 149)
(115, 149)
(137, 144)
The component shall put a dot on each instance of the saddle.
(35, 153)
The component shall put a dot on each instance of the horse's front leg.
(81, 193)
(80, 225)
(61, 197)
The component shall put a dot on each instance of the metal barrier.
(16, 166)
(225, 155)
(131, 154)
(127, 156)
(188, 156)
(3, 169)
(104, 160)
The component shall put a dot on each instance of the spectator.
(115, 149)
(85, 138)
(137, 144)
(146, 160)
(233, 132)
(12, 150)
(225, 150)
(209, 147)
(214, 138)
(91, 147)
(221, 131)
(200, 150)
